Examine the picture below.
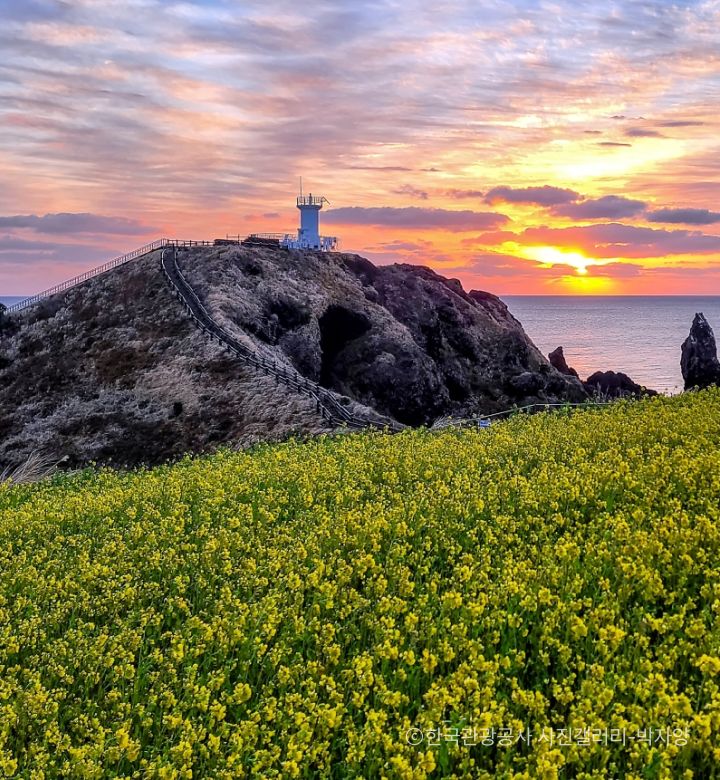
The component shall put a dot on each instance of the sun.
(550, 255)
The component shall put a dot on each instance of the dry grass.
(34, 469)
(99, 378)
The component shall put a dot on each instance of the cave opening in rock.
(338, 327)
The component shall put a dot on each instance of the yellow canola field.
(536, 600)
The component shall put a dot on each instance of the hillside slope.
(113, 370)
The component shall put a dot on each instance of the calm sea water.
(638, 335)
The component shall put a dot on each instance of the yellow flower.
(708, 664)
(428, 661)
(241, 693)
(374, 602)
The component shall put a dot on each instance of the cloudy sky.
(523, 147)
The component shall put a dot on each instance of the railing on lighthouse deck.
(311, 200)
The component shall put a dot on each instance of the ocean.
(640, 336)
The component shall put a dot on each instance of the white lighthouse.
(309, 231)
(308, 235)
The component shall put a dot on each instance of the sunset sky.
(527, 147)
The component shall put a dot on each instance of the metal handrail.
(182, 242)
(487, 418)
(66, 285)
(101, 269)
(327, 404)
(273, 236)
(311, 200)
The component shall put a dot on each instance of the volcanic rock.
(699, 361)
(557, 360)
(612, 384)
(527, 383)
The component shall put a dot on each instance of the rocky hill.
(114, 370)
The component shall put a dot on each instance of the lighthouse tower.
(309, 230)
(308, 235)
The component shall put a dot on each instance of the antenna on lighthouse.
(301, 192)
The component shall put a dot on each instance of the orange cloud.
(593, 132)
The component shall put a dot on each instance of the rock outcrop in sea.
(608, 384)
(114, 370)
(558, 361)
(699, 362)
(615, 384)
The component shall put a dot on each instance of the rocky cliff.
(698, 360)
(114, 370)
(401, 339)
